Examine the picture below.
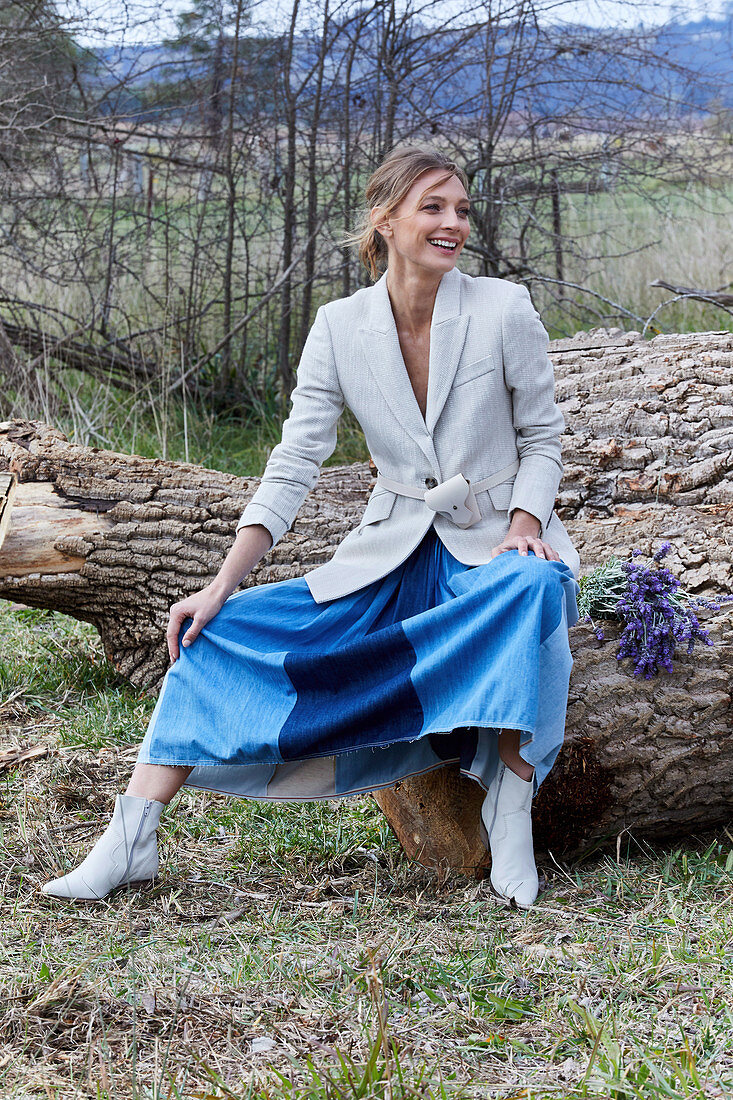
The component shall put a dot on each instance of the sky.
(127, 22)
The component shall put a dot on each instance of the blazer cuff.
(535, 488)
(258, 513)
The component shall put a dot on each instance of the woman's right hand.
(251, 542)
(201, 607)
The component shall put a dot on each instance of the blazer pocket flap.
(501, 495)
(379, 506)
(469, 371)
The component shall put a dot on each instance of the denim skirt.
(281, 697)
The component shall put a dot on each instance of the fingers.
(525, 543)
(543, 549)
(547, 551)
(178, 615)
(198, 624)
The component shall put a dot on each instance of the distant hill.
(573, 64)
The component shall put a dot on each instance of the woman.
(438, 630)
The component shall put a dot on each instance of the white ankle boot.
(126, 852)
(507, 815)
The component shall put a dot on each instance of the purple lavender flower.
(658, 616)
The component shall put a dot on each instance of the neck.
(412, 292)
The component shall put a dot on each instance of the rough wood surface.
(648, 456)
(8, 483)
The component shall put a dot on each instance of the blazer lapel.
(447, 337)
(384, 358)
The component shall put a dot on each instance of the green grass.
(154, 428)
(292, 951)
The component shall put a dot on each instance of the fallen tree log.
(114, 539)
(112, 361)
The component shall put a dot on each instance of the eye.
(431, 206)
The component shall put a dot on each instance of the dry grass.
(291, 951)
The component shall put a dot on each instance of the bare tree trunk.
(314, 138)
(231, 181)
(347, 172)
(286, 295)
(557, 229)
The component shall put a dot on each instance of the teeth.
(443, 244)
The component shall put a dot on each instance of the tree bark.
(7, 495)
(114, 539)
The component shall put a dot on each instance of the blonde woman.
(438, 629)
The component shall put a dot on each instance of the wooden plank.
(7, 492)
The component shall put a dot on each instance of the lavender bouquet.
(658, 615)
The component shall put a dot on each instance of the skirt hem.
(337, 795)
(482, 724)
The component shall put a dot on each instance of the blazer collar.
(384, 356)
(447, 303)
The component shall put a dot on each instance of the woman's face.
(430, 226)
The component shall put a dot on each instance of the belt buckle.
(455, 500)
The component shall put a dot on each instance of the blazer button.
(430, 482)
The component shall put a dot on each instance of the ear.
(380, 221)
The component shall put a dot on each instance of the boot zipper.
(496, 803)
(144, 814)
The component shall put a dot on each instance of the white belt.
(454, 498)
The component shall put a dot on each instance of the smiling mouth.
(443, 243)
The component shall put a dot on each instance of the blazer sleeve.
(537, 420)
(308, 437)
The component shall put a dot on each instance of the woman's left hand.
(525, 543)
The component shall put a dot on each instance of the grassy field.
(670, 233)
(292, 951)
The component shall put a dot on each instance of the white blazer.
(490, 402)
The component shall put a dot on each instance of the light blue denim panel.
(554, 666)
(227, 696)
(479, 653)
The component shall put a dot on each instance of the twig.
(719, 297)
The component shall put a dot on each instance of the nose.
(450, 219)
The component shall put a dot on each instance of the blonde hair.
(386, 188)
